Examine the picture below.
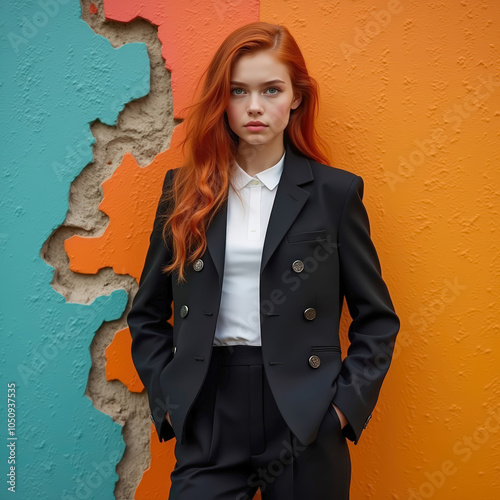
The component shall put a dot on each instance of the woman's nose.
(254, 104)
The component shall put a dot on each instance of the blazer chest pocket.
(325, 348)
(318, 235)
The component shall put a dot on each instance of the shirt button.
(255, 181)
(252, 229)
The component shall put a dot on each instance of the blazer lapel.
(216, 239)
(289, 200)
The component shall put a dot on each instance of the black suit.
(317, 218)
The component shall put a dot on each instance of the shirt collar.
(269, 177)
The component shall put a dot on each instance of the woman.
(256, 241)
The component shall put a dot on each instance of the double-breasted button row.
(309, 313)
(198, 265)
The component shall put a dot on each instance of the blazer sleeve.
(374, 327)
(152, 335)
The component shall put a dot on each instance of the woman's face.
(261, 90)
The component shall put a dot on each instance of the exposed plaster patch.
(143, 128)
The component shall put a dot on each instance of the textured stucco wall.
(58, 76)
(410, 101)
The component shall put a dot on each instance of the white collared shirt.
(238, 321)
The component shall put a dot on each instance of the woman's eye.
(240, 91)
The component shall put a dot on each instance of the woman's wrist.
(342, 417)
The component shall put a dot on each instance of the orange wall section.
(410, 100)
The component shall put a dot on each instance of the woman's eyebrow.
(265, 83)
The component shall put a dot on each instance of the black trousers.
(237, 441)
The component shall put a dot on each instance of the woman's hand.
(342, 417)
(168, 418)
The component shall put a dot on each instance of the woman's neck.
(256, 158)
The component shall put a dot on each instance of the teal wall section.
(57, 77)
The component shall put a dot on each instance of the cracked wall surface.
(92, 96)
(59, 78)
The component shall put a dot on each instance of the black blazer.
(318, 219)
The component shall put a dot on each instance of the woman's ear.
(295, 103)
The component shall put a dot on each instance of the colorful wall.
(91, 98)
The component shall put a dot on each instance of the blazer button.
(310, 313)
(314, 361)
(151, 417)
(184, 311)
(298, 266)
(198, 265)
(367, 420)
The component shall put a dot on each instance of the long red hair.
(209, 147)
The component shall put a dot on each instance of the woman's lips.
(255, 128)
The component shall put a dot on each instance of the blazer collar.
(288, 202)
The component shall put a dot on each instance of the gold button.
(298, 266)
(310, 313)
(314, 361)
